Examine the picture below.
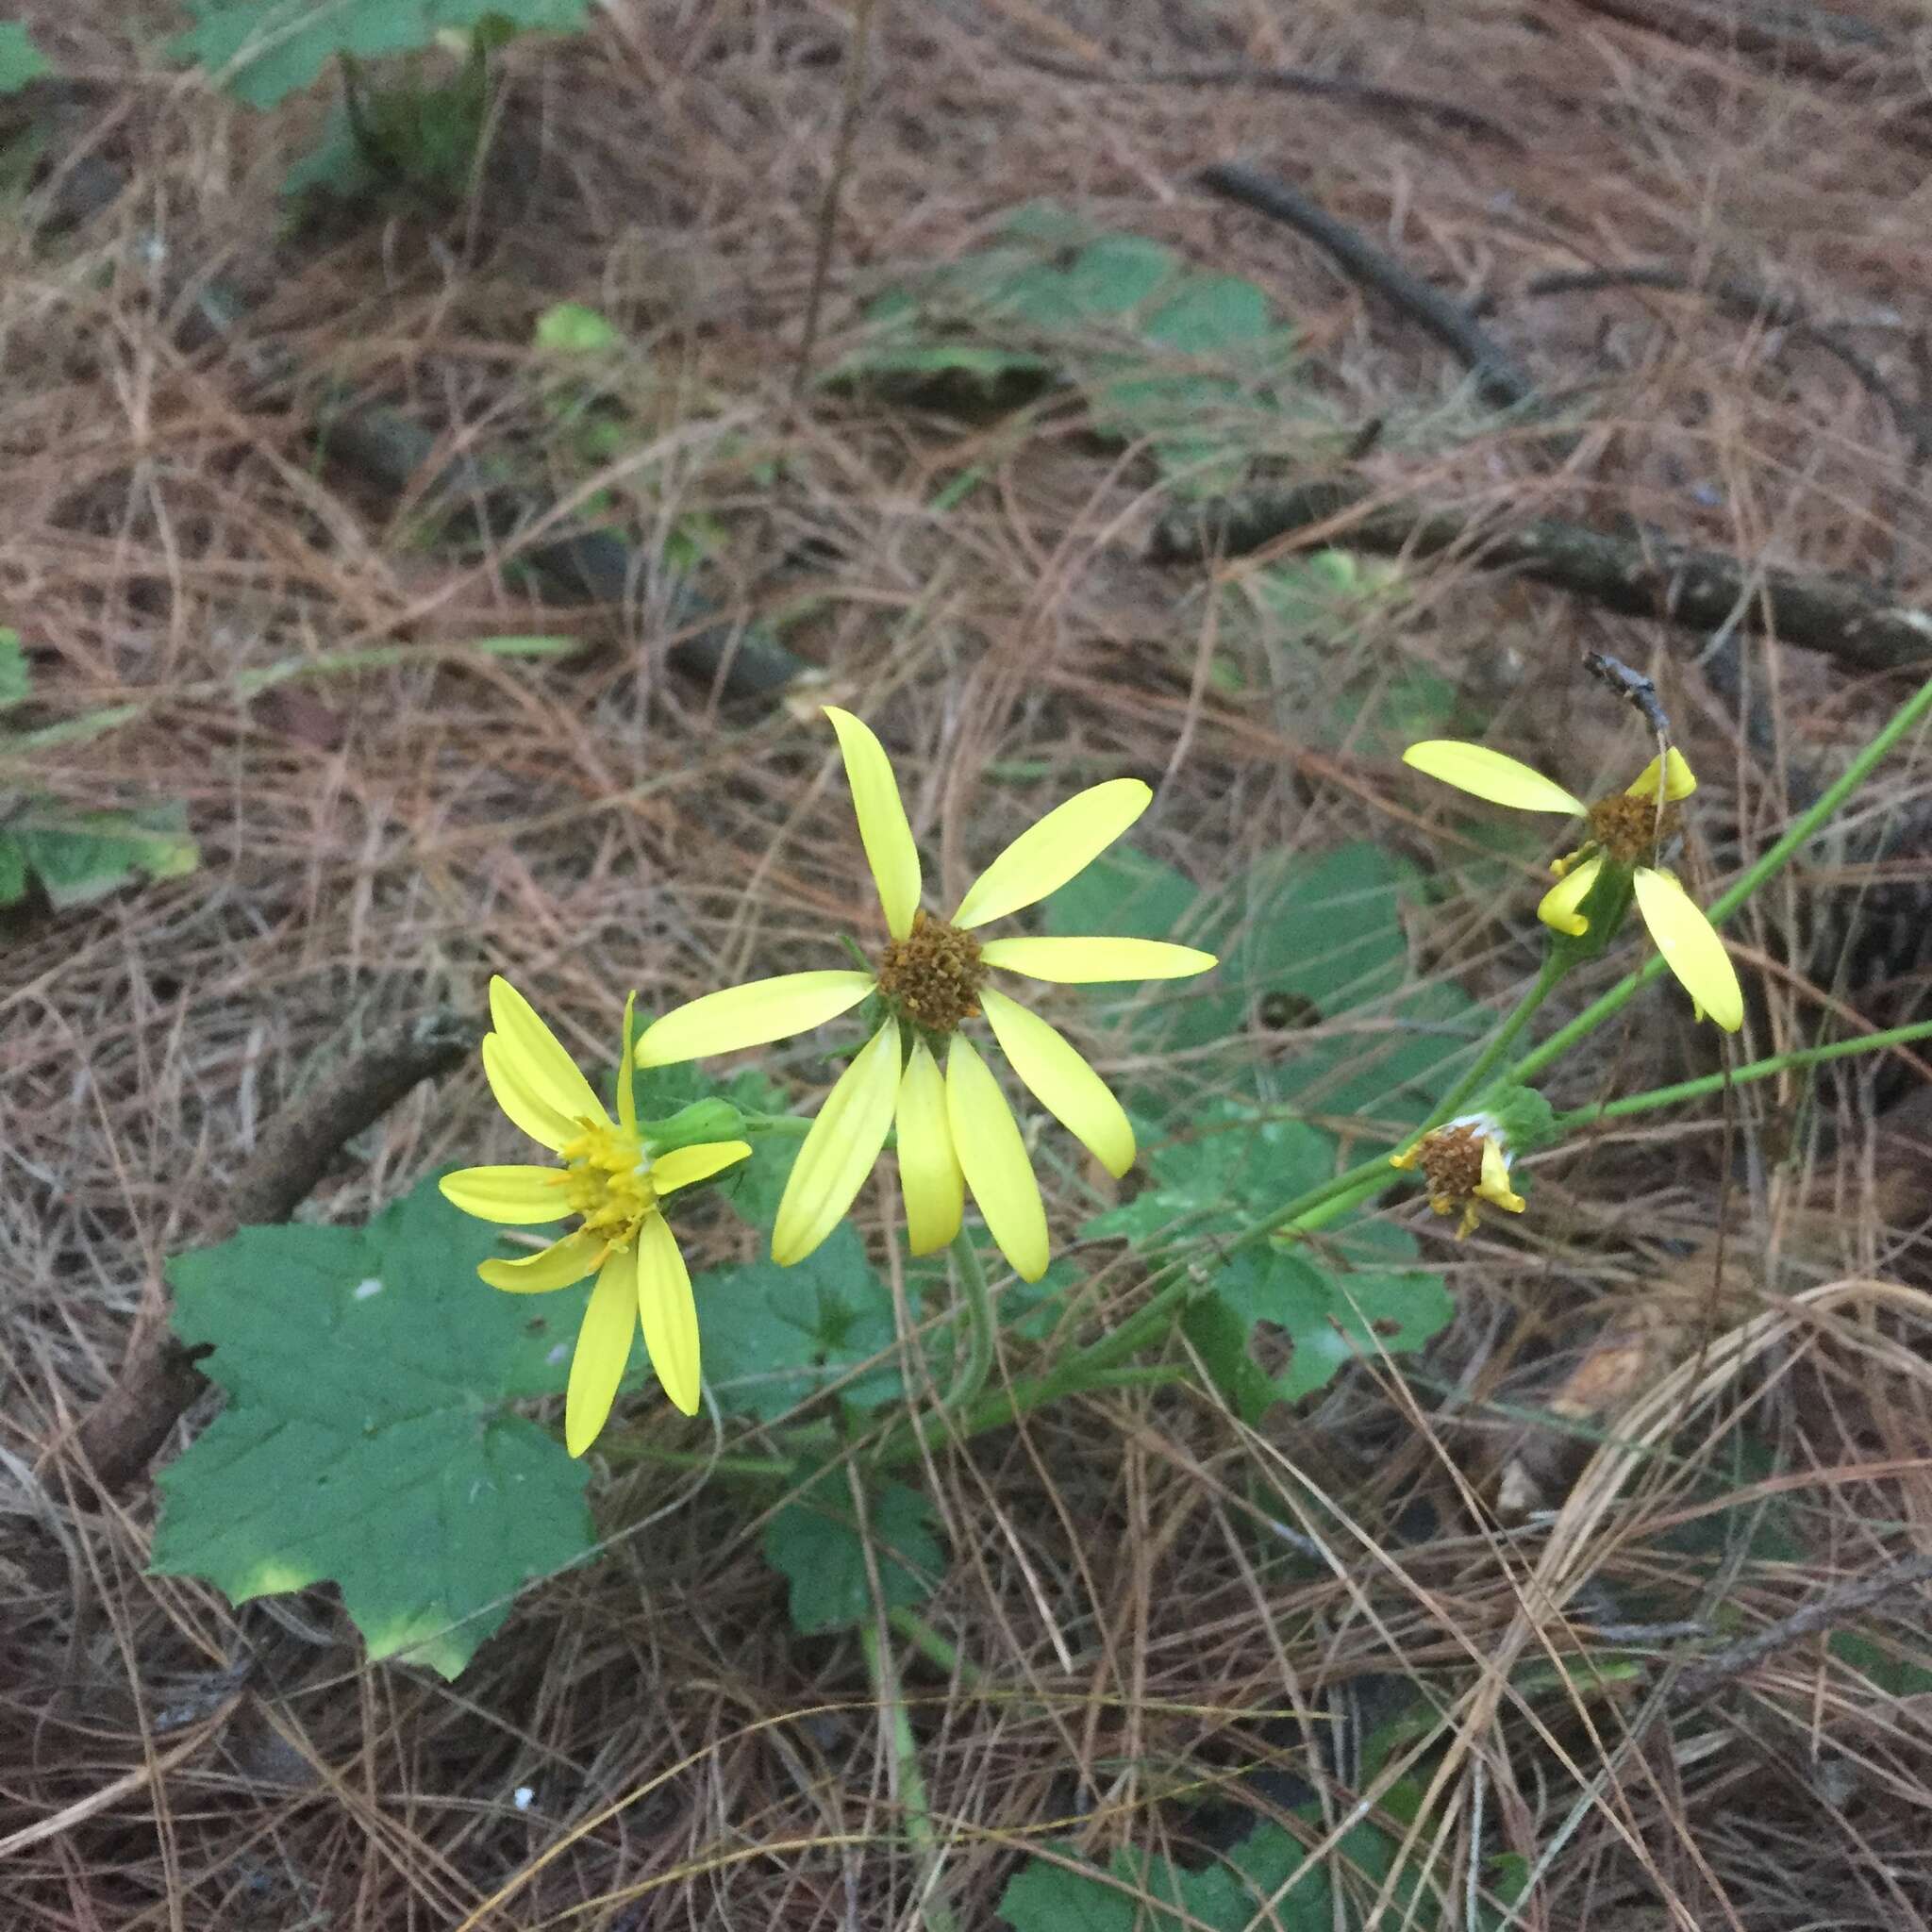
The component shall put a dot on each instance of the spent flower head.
(1464, 1163)
(611, 1178)
(1626, 835)
(955, 1128)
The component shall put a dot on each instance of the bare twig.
(835, 186)
(159, 1379)
(1640, 576)
(1498, 379)
(1821, 1613)
(1293, 80)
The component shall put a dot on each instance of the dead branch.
(1821, 1614)
(1644, 574)
(1499, 381)
(120, 1435)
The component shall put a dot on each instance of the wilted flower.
(1626, 831)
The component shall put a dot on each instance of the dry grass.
(381, 841)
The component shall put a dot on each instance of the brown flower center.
(1630, 829)
(933, 975)
(1452, 1164)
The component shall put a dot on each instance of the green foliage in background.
(1144, 1892)
(1324, 1301)
(368, 1439)
(263, 52)
(21, 60)
(78, 856)
(1194, 363)
(817, 1544)
(1314, 1005)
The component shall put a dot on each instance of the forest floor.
(282, 639)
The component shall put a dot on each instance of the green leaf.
(774, 1338)
(572, 329)
(1354, 1292)
(1213, 1183)
(1897, 1676)
(88, 855)
(1362, 1296)
(1154, 1895)
(814, 1542)
(367, 1439)
(265, 50)
(1211, 314)
(21, 60)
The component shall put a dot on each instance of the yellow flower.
(612, 1179)
(1626, 832)
(955, 1128)
(1464, 1161)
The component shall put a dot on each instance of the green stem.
(1747, 882)
(781, 1126)
(937, 1914)
(1756, 1069)
(937, 1650)
(1554, 967)
(979, 1327)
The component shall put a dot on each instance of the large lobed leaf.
(367, 1439)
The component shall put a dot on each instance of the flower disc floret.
(614, 1181)
(1627, 833)
(932, 977)
(956, 1131)
(1464, 1163)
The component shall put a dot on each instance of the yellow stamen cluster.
(1629, 830)
(933, 975)
(607, 1180)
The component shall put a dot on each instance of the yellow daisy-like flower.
(612, 1179)
(955, 1128)
(1464, 1163)
(1625, 831)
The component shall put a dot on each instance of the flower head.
(612, 1179)
(1626, 832)
(918, 1069)
(1464, 1163)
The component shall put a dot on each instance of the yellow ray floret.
(614, 1181)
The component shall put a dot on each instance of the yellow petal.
(840, 1150)
(1061, 1081)
(1082, 962)
(1560, 904)
(682, 1166)
(1680, 784)
(749, 1015)
(539, 1061)
(882, 827)
(560, 1264)
(510, 1196)
(521, 1101)
(930, 1177)
(1691, 947)
(1476, 769)
(669, 1314)
(1045, 856)
(986, 1138)
(626, 1087)
(603, 1348)
(1495, 1185)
